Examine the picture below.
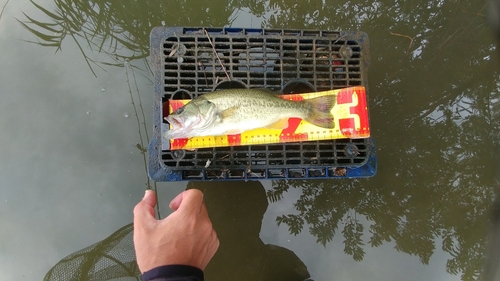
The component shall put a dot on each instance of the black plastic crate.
(188, 62)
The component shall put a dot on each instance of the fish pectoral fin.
(228, 112)
(233, 132)
(280, 125)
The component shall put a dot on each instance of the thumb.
(145, 208)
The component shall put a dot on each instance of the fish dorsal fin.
(229, 112)
(269, 91)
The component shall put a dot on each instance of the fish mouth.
(179, 127)
(175, 122)
(176, 130)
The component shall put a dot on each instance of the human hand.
(185, 237)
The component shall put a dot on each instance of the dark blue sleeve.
(173, 273)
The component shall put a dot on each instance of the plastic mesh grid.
(195, 61)
(259, 60)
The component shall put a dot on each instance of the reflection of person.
(236, 209)
(178, 247)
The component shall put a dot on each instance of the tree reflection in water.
(432, 80)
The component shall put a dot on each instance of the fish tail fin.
(320, 113)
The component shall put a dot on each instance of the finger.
(176, 202)
(216, 242)
(188, 201)
(150, 198)
(213, 244)
(203, 209)
(145, 208)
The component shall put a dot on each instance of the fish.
(233, 111)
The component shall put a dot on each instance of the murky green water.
(76, 107)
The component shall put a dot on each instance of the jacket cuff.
(176, 272)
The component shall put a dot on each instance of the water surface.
(76, 107)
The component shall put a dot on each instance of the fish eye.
(179, 110)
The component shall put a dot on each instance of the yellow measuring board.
(351, 121)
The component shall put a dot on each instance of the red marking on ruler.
(234, 139)
(344, 96)
(289, 132)
(175, 104)
(348, 125)
(179, 143)
(294, 97)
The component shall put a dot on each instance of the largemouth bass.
(234, 111)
